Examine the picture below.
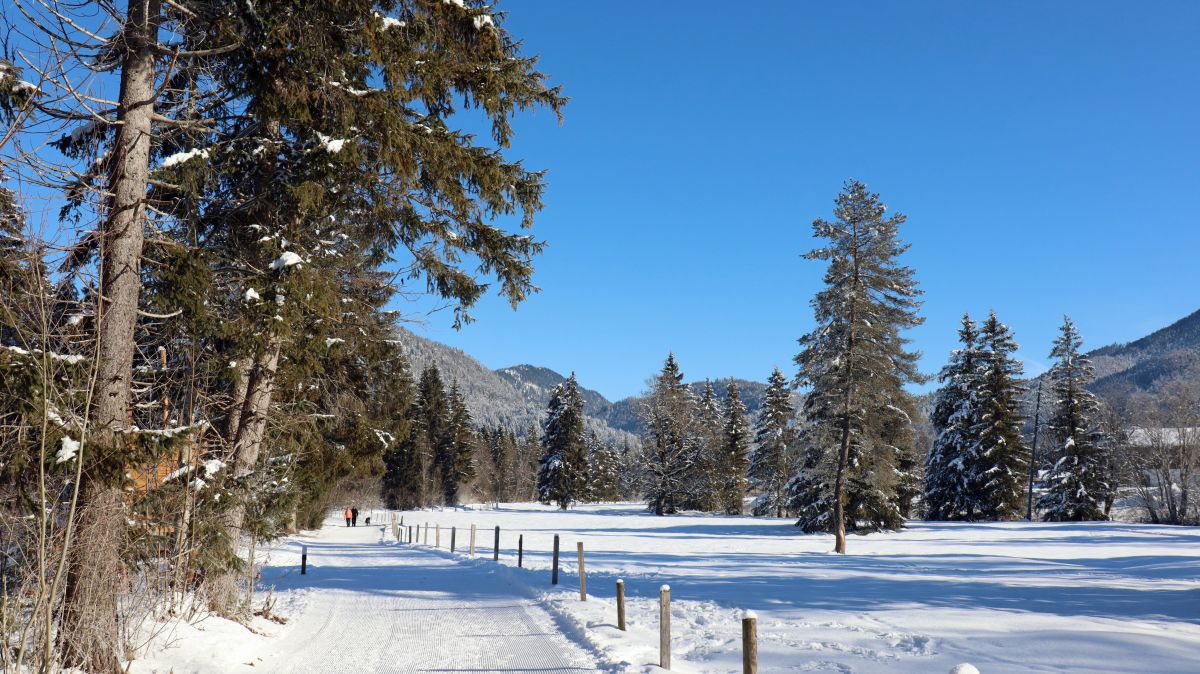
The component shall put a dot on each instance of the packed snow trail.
(375, 606)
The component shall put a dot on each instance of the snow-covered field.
(1007, 598)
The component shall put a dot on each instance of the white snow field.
(1006, 598)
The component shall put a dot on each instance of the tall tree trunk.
(248, 425)
(89, 636)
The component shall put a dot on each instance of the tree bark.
(248, 425)
(89, 636)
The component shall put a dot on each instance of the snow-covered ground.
(1007, 598)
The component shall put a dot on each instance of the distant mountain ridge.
(1141, 365)
(510, 398)
(516, 396)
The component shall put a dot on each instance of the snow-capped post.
(964, 668)
(520, 550)
(303, 560)
(750, 643)
(496, 546)
(453, 531)
(472, 540)
(554, 566)
(664, 627)
(621, 604)
(582, 573)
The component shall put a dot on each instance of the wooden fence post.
(453, 531)
(554, 568)
(621, 604)
(437, 535)
(496, 546)
(582, 574)
(427, 533)
(750, 643)
(303, 560)
(664, 627)
(472, 540)
(520, 550)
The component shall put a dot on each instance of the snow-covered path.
(380, 607)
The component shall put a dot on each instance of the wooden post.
(427, 533)
(453, 531)
(472, 540)
(395, 529)
(496, 546)
(582, 574)
(402, 520)
(520, 550)
(621, 604)
(554, 568)
(750, 643)
(303, 560)
(664, 627)
(437, 535)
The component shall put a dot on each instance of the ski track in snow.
(379, 607)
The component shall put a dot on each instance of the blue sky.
(1052, 142)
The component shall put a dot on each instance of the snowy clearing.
(1007, 598)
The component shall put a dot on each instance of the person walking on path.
(354, 515)
(349, 515)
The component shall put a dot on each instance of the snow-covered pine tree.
(771, 461)
(430, 427)
(603, 466)
(999, 457)
(705, 481)
(1077, 485)
(855, 364)
(455, 454)
(668, 451)
(529, 455)
(947, 468)
(562, 473)
(630, 474)
(735, 450)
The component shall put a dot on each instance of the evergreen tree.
(774, 435)
(855, 364)
(603, 467)
(998, 459)
(735, 449)
(1077, 485)
(706, 480)
(562, 473)
(668, 452)
(630, 476)
(947, 471)
(454, 459)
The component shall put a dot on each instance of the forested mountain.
(1144, 364)
(626, 414)
(535, 384)
(516, 396)
(512, 398)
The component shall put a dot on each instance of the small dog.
(368, 521)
